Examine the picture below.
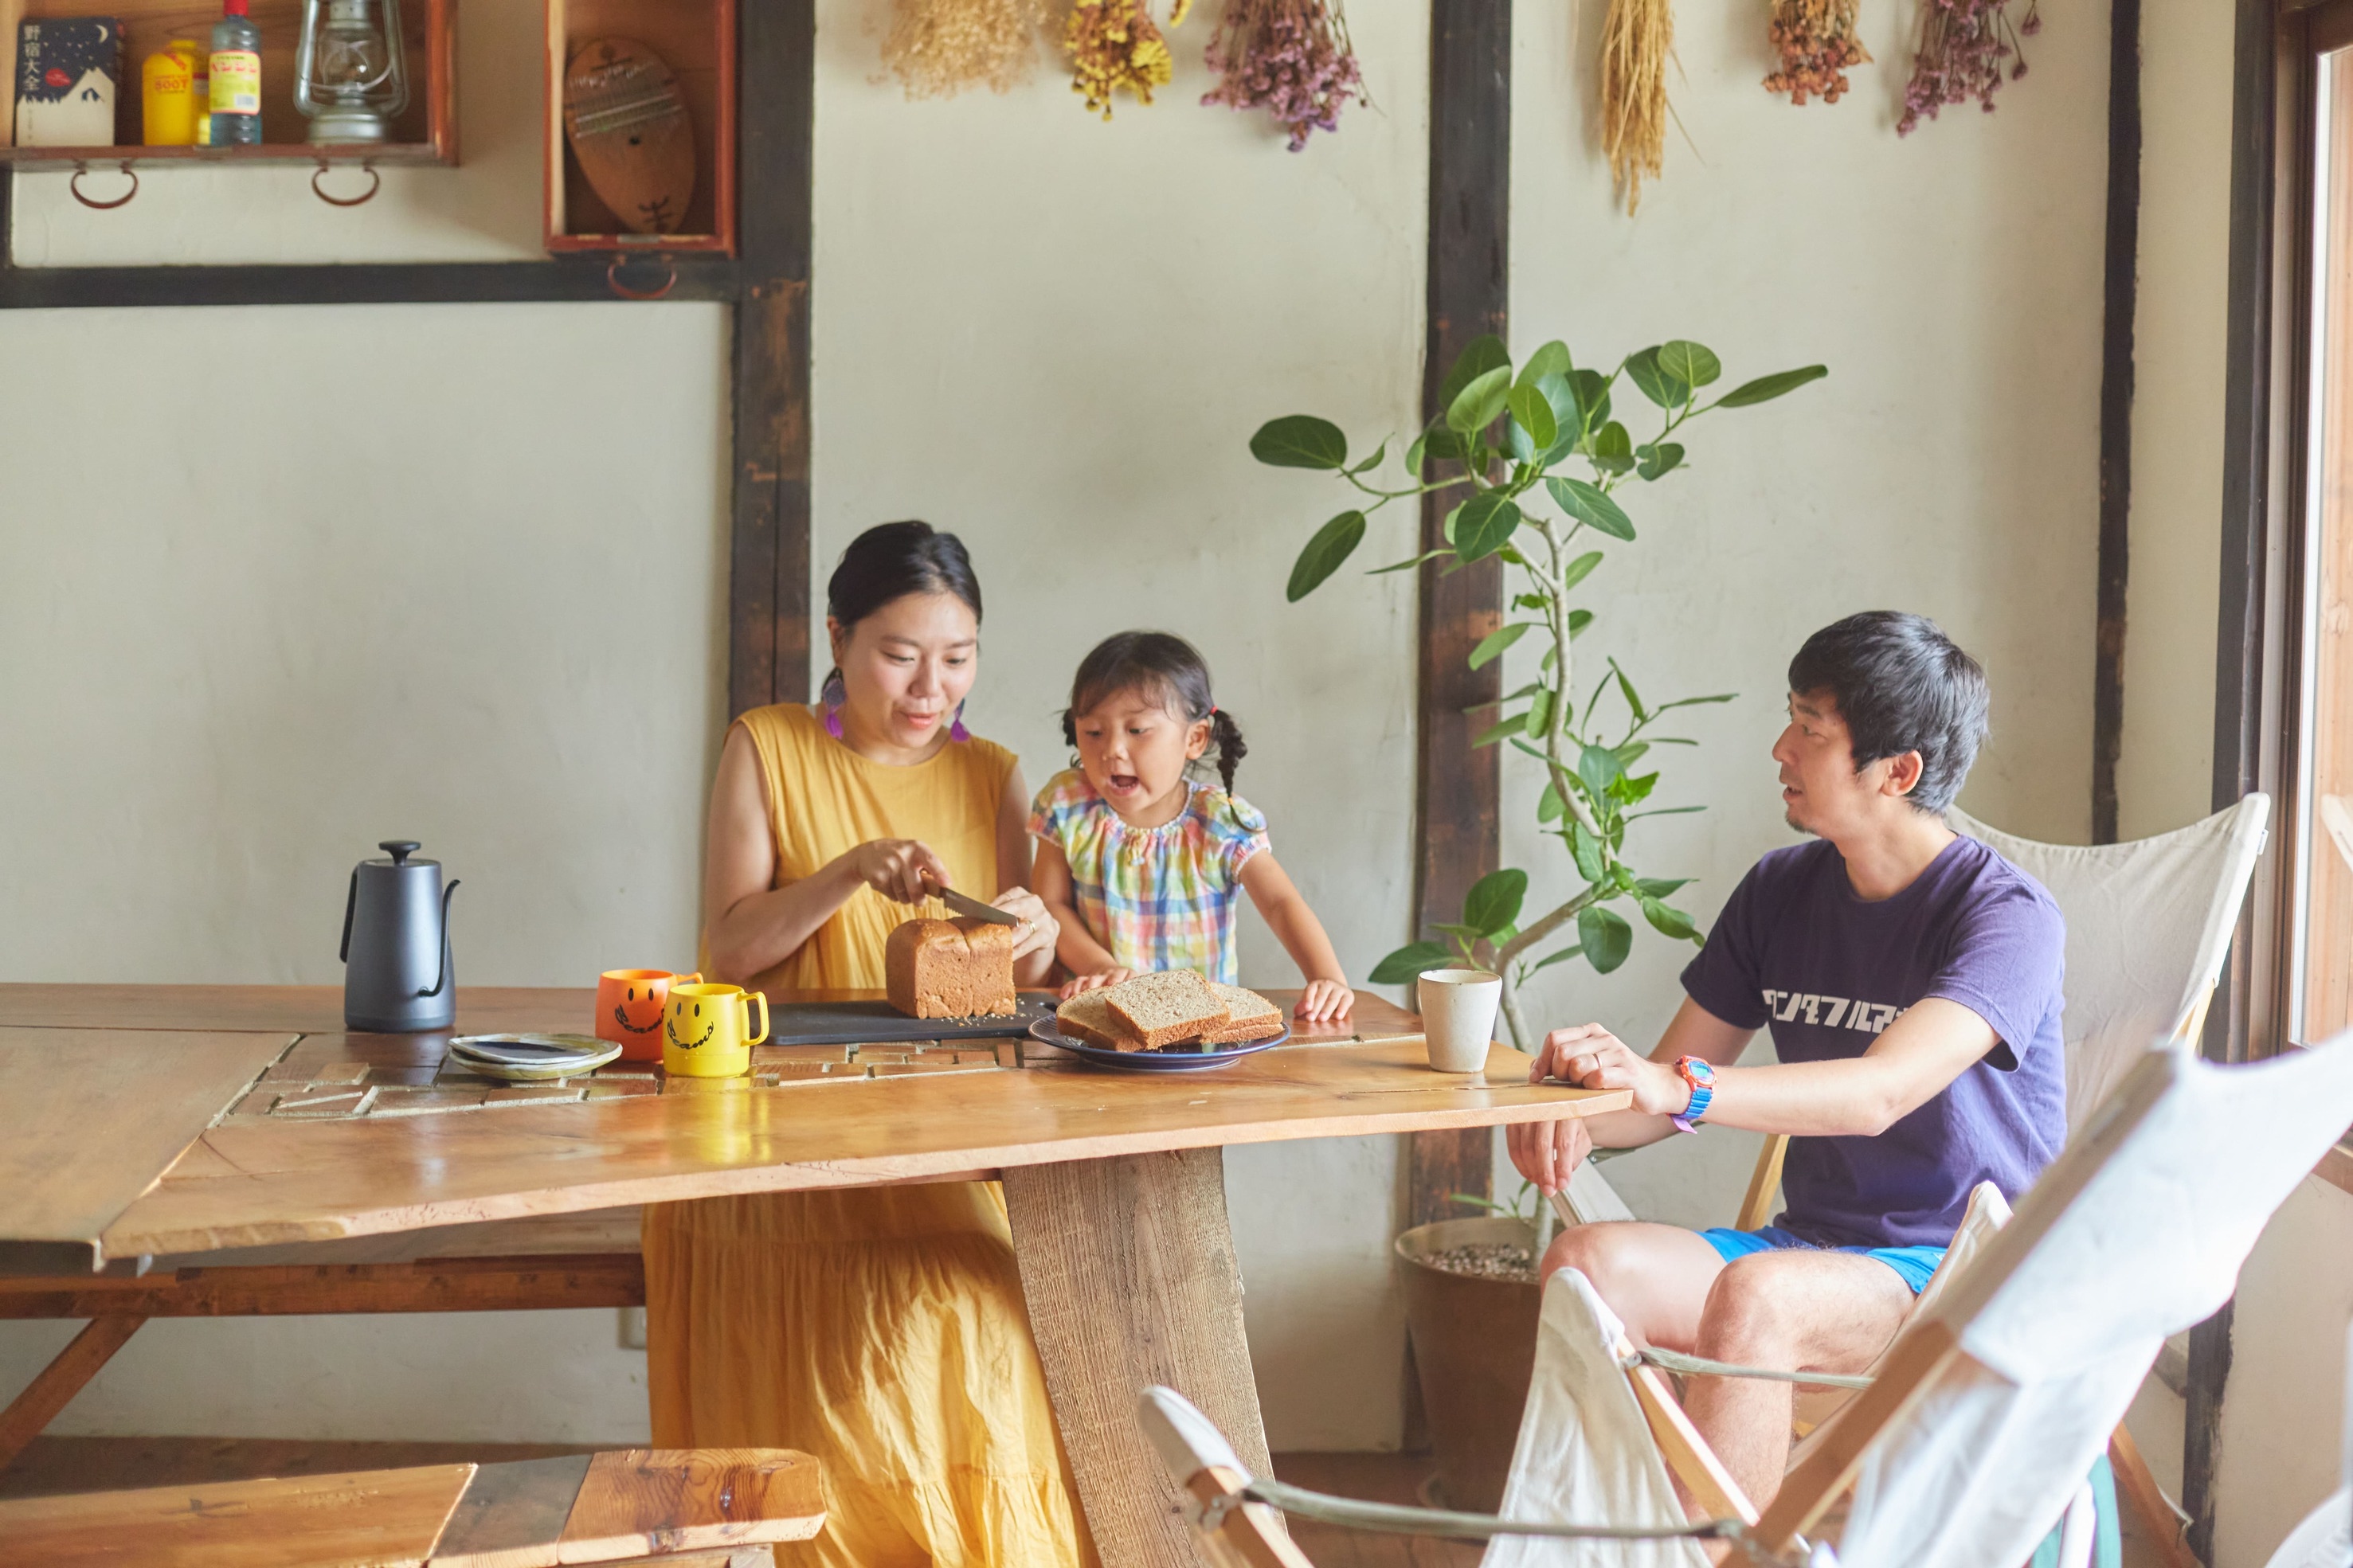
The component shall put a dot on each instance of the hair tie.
(1213, 710)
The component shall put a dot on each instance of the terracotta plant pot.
(1475, 1348)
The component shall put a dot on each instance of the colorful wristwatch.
(1701, 1075)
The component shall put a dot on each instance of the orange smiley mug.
(707, 1030)
(630, 1009)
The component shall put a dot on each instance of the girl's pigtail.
(1230, 747)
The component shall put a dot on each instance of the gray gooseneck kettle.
(397, 977)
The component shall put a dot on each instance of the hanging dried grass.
(1115, 44)
(1817, 42)
(939, 47)
(1636, 41)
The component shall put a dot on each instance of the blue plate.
(1180, 1059)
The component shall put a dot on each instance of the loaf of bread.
(1249, 1016)
(949, 969)
(1165, 1007)
(1086, 1019)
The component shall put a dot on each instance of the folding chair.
(2324, 1539)
(1988, 1410)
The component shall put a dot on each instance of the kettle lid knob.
(400, 849)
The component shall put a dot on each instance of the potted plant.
(1506, 439)
(1510, 441)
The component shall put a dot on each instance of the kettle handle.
(351, 902)
(442, 978)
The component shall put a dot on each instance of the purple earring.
(834, 695)
(957, 731)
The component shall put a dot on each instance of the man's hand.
(1590, 1057)
(1548, 1152)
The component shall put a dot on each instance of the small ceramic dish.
(531, 1058)
(1175, 1058)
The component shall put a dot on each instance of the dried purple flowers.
(1963, 46)
(1292, 56)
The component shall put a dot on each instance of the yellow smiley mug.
(707, 1030)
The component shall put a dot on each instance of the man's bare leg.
(1792, 1311)
(1656, 1277)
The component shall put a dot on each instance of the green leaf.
(1438, 441)
(1511, 726)
(1533, 416)
(1560, 394)
(1580, 569)
(1688, 362)
(1613, 449)
(1409, 960)
(1665, 811)
(1577, 621)
(1546, 963)
(1632, 752)
(1463, 933)
(1765, 388)
(1485, 354)
(1539, 713)
(1590, 505)
(1659, 887)
(1657, 460)
(1300, 441)
(1476, 405)
(1694, 701)
(1633, 699)
(1598, 766)
(1494, 900)
(1407, 565)
(1530, 602)
(1667, 391)
(1586, 849)
(1550, 807)
(1413, 458)
(1491, 647)
(1627, 790)
(1550, 360)
(1605, 936)
(1482, 525)
(1669, 922)
(1369, 464)
(1333, 542)
(1592, 396)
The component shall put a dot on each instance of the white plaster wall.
(1951, 283)
(2165, 772)
(1055, 336)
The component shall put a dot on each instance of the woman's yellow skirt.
(882, 1331)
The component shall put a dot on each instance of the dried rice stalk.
(1636, 40)
(939, 47)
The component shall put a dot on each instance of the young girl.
(1140, 864)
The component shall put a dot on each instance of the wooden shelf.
(426, 133)
(696, 38)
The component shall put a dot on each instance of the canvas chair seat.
(1995, 1399)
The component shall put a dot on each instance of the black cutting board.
(862, 1023)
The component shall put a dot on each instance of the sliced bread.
(1166, 1007)
(1085, 1019)
(1250, 1017)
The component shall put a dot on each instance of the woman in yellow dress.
(881, 1329)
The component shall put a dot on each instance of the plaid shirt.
(1158, 897)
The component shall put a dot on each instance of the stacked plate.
(531, 1058)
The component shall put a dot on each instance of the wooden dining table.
(226, 1151)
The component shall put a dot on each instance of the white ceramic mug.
(1458, 1016)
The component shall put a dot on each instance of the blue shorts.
(1913, 1265)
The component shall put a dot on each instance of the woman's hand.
(1590, 1057)
(1325, 1001)
(1039, 929)
(1548, 1152)
(1096, 980)
(897, 868)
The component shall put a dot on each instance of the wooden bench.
(706, 1508)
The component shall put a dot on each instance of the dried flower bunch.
(1114, 43)
(1636, 40)
(1817, 42)
(939, 47)
(1963, 46)
(1290, 56)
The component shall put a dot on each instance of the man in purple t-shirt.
(1910, 978)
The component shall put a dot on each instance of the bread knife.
(966, 904)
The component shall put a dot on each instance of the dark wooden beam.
(559, 279)
(1458, 791)
(768, 594)
(2120, 293)
(536, 1283)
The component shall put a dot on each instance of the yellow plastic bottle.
(167, 95)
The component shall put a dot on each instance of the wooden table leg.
(1129, 1270)
(56, 1384)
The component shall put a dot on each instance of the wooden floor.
(54, 1465)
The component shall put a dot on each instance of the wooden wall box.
(427, 132)
(696, 38)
